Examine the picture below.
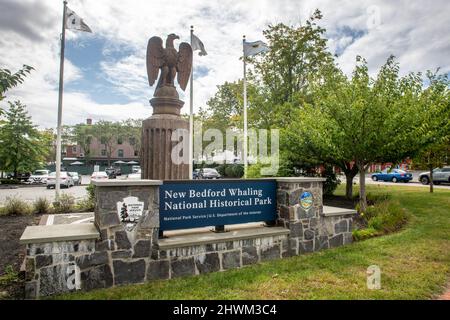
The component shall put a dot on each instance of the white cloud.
(412, 31)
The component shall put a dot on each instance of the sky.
(105, 74)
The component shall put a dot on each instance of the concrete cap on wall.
(126, 183)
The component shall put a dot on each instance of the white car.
(99, 175)
(76, 178)
(39, 176)
(65, 180)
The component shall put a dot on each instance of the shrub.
(91, 192)
(238, 171)
(382, 218)
(389, 218)
(229, 171)
(330, 185)
(85, 205)
(16, 206)
(363, 234)
(9, 181)
(65, 203)
(41, 205)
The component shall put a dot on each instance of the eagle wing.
(184, 64)
(155, 58)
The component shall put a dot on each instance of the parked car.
(135, 168)
(196, 174)
(135, 175)
(99, 175)
(65, 180)
(394, 175)
(39, 176)
(21, 176)
(209, 173)
(111, 172)
(439, 175)
(76, 178)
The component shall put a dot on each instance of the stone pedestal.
(157, 144)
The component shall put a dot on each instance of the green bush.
(41, 205)
(238, 171)
(330, 185)
(229, 171)
(9, 181)
(91, 192)
(16, 206)
(382, 218)
(65, 204)
(85, 205)
(389, 218)
(363, 234)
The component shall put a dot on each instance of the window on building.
(119, 140)
(136, 153)
(132, 141)
(120, 153)
(103, 152)
(74, 149)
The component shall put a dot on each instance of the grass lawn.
(415, 264)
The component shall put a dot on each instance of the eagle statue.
(169, 61)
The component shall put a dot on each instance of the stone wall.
(127, 254)
(310, 230)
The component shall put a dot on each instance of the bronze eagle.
(171, 62)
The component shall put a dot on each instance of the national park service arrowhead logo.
(130, 210)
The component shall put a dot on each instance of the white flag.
(197, 44)
(74, 22)
(253, 48)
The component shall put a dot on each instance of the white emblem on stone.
(130, 210)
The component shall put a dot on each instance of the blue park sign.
(200, 203)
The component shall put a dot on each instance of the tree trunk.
(431, 179)
(362, 188)
(349, 176)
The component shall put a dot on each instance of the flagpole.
(60, 102)
(245, 111)
(191, 118)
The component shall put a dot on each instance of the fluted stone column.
(157, 144)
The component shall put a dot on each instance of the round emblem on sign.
(306, 200)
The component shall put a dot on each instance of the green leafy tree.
(434, 132)
(109, 133)
(361, 120)
(22, 147)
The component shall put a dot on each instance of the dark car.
(111, 172)
(196, 174)
(394, 175)
(21, 176)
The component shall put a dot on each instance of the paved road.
(413, 183)
(30, 194)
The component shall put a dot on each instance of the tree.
(109, 133)
(132, 132)
(22, 146)
(9, 80)
(361, 120)
(435, 129)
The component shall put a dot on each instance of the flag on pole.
(253, 48)
(74, 22)
(197, 44)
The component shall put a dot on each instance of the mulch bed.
(11, 252)
(340, 202)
